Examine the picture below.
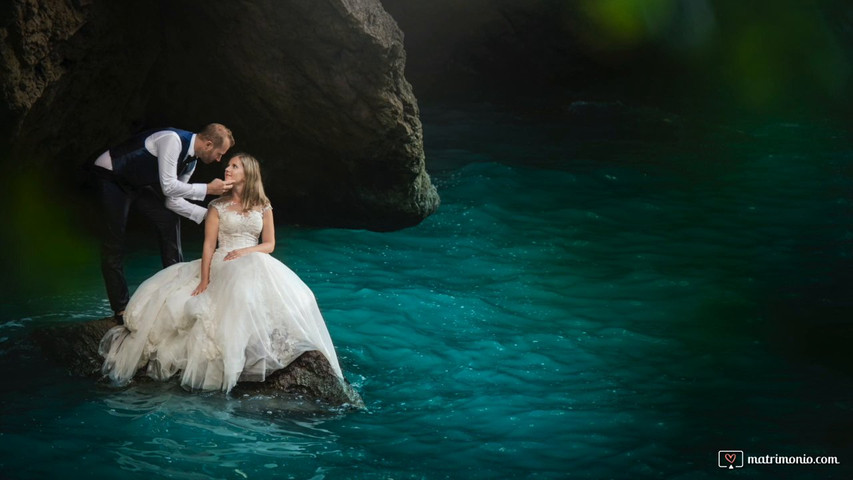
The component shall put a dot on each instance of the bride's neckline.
(227, 204)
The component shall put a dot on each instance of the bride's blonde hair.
(253, 188)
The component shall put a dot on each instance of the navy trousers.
(117, 198)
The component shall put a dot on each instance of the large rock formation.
(74, 347)
(688, 56)
(315, 89)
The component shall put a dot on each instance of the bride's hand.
(202, 286)
(234, 254)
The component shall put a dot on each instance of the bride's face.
(234, 171)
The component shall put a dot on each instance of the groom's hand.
(218, 187)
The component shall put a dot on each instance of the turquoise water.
(579, 307)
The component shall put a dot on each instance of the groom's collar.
(191, 151)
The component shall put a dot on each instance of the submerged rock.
(74, 346)
(314, 89)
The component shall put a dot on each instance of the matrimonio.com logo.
(731, 459)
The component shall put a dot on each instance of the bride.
(237, 314)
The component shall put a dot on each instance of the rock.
(310, 376)
(495, 50)
(680, 56)
(74, 346)
(315, 90)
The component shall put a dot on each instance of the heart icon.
(731, 457)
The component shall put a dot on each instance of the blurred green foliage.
(45, 248)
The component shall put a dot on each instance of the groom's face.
(208, 153)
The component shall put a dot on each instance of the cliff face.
(711, 59)
(315, 89)
(505, 48)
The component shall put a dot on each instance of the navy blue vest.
(135, 165)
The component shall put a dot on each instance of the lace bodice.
(237, 229)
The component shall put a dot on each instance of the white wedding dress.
(255, 317)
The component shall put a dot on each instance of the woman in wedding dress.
(237, 314)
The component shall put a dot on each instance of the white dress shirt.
(166, 146)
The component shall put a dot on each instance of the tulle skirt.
(255, 317)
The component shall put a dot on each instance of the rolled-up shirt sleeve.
(177, 189)
(186, 209)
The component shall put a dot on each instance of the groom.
(151, 172)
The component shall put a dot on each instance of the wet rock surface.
(74, 347)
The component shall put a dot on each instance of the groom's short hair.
(217, 133)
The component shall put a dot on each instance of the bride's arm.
(267, 244)
(211, 232)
